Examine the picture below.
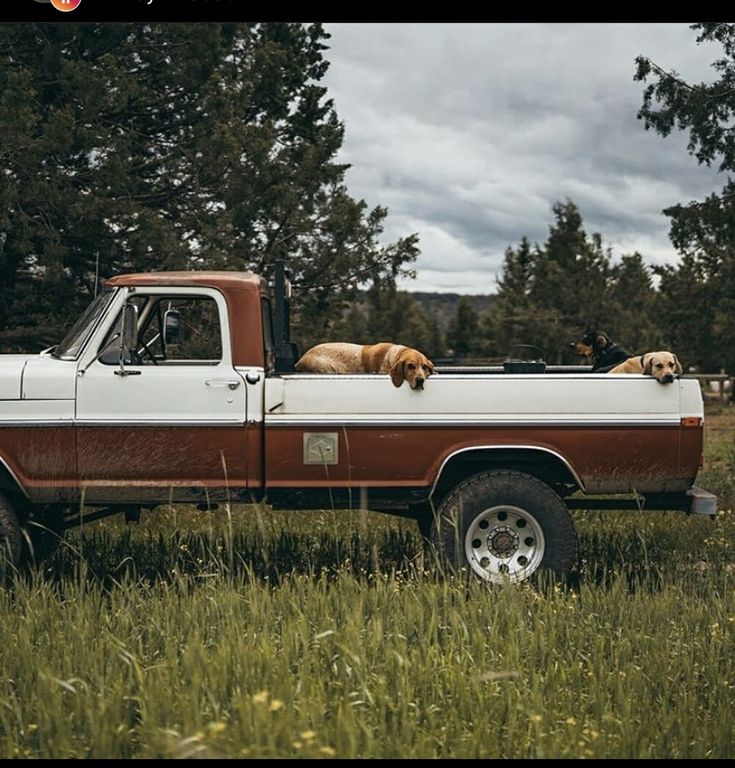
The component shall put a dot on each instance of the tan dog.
(663, 366)
(403, 363)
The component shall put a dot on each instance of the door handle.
(231, 383)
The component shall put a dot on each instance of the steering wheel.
(148, 352)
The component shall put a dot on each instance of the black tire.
(505, 526)
(11, 538)
(41, 533)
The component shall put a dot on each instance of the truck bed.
(616, 434)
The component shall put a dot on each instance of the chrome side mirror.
(128, 337)
(171, 327)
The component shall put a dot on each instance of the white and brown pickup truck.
(175, 387)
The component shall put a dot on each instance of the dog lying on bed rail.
(402, 363)
(609, 357)
(663, 365)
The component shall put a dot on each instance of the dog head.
(411, 366)
(581, 349)
(598, 341)
(663, 366)
(593, 344)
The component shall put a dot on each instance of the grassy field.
(248, 633)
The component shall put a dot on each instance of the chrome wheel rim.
(504, 543)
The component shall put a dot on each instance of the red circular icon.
(65, 5)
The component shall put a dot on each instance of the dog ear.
(677, 365)
(647, 364)
(430, 365)
(396, 374)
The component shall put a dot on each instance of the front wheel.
(10, 536)
(42, 533)
(506, 527)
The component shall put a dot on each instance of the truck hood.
(11, 375)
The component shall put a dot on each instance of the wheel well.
(541, 464)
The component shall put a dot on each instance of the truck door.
(169, 424)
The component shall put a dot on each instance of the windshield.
(73, 342)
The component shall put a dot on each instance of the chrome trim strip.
(273, 420)
(507, 447)
(276, 421)
(100, 423)
(14, 476)
(162, 423)
(26, 423)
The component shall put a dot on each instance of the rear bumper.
(703, 502)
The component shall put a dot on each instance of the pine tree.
(463, 334)
(132, 147)
(635, 308)
(702, 231)
(512, 319)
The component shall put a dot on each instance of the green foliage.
(550, 295)
(705, 109)
(704, 232)
(168, 640)
(636, 314)
(463, 334)
(157, 146)
(387, 314)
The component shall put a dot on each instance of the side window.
(199, 339)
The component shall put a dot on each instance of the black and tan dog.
(604, 353)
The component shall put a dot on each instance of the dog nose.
(419, 382)
(669, 378)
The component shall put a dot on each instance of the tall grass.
(249, 633)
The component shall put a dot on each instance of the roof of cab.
(223, 280)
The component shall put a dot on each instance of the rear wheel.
(505, 526)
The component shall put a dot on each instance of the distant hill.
(444, 305)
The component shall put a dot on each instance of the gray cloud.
(470, 133)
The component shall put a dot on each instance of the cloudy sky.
(469, 133)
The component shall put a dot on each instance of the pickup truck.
(180, 387)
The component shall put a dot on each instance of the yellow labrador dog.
(663, 366)
(403, 363)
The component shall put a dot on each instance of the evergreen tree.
(387, 314)
(549, 296)
(634, 322)
(513, 319)
(688, 307)
(436, 345)
(703, 232)
(132, 147)
(463, 334)
(395, 316)
(570, 283)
